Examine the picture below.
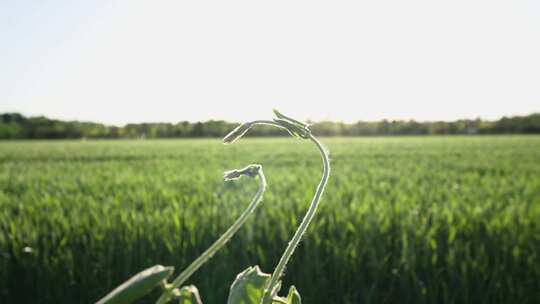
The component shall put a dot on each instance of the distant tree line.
(16, 126)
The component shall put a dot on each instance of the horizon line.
(54, 117)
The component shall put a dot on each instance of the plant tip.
(293, 121)
(237, 133)
(250, 171)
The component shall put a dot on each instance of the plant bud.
(292, 120)
(294, 129)
(188, 295)
(292, 298)
(250, 171)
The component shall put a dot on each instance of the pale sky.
(133, 61)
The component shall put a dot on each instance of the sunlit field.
(403, 219)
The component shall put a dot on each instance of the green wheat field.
(403, 219)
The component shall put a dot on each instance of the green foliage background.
(403, 220)
(17, 126)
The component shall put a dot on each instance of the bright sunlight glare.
(133, 61)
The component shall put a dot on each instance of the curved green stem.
(280, 268)
(223, 239)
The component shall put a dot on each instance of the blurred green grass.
(404, 219)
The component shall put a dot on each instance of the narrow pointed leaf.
(138, 286)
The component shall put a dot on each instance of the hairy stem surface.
(280, 268)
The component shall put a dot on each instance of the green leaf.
(292, 298)
(248, 288)
(189, 295)
(138, 285)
